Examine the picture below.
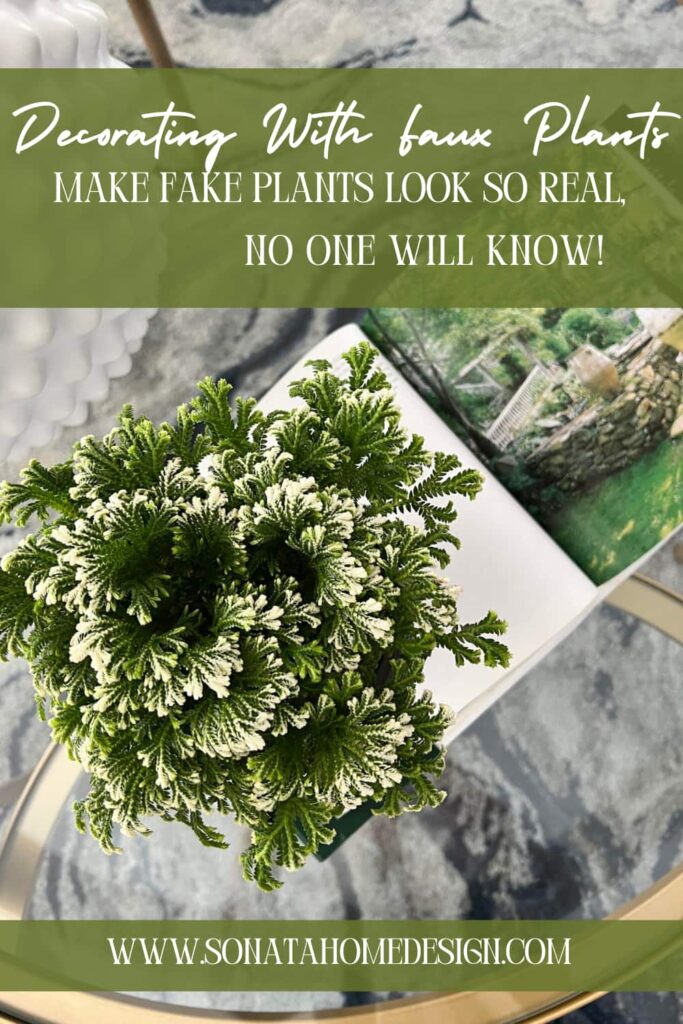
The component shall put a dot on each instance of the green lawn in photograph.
(617, 521)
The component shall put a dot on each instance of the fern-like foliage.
(231, 613)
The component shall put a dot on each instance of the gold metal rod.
(151, 32)
(490, 1008)
(651, 602)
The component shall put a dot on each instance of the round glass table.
(565, 800)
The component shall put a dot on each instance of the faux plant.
(232, 613)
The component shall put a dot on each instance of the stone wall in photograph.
(611, 434)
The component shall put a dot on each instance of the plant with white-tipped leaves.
(232, 614)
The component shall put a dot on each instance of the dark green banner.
(341, 188)
(400, 956)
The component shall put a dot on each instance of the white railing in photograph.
(519, 409)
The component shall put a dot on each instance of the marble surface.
(380, 33)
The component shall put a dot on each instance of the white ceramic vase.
(55, 362)
(54, 34)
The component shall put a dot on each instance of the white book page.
(507, 562)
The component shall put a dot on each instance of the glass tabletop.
(564, 800)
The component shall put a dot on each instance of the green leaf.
(41, 493)
(17, 610)
(211, 409)
(292, 833)
(476, 642)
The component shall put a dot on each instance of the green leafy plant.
(233, 614)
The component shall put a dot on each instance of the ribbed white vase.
(55, 362)
(54, 34)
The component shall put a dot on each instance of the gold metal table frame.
(52, 781)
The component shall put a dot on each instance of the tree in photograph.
(593, 327)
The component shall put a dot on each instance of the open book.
(575, 420)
